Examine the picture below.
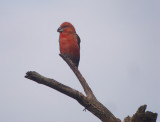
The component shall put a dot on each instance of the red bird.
(69, 42)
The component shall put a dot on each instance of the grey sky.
(120, 45)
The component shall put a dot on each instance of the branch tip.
(32, 75)
(142, 109)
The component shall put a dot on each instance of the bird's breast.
(68, 45)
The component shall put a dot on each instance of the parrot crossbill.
(69, 42)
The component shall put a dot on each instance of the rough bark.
(89, 101)
(142, 116)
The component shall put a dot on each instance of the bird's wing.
(78, 40)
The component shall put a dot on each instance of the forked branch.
(89, 101)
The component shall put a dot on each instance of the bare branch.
(92, 105)
(142, 116)
(32, 75)
(83, 82)
(89, 101)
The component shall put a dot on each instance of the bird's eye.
(64, 27)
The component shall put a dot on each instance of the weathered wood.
(142, 116)
(89, 101)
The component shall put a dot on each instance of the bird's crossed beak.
(60, 29)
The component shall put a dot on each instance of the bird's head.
(66, 28)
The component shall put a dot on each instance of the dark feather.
(78, 40)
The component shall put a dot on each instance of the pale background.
(120, 57)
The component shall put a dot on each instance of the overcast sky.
(120, 57)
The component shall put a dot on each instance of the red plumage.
(69, 42)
